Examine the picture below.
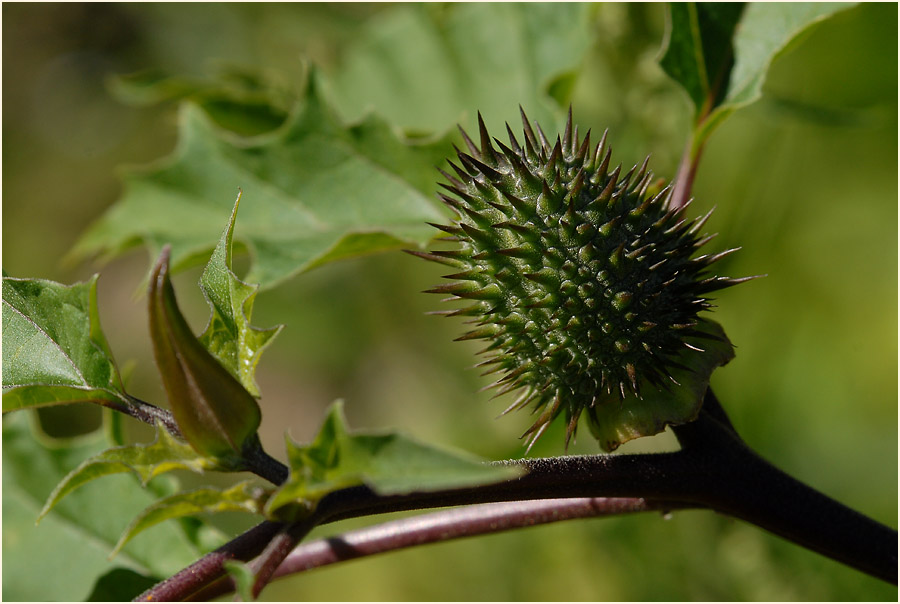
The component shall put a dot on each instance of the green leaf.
(54, 350)
(164, 454)
(767, 30)
(386, 463)
(242, 497)
(721, 55)
(316, 191)
(698, 51)
(71, 545)
(245, 101)
(120, 585)
(426, 67)
(614, 422)
(214, 412)
(243, 577)
(229, 336)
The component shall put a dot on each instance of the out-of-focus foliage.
(804, 180)
(317, 191)
(426, 67)
(73, 544)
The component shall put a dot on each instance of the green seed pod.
(585, 284)
(214, 412)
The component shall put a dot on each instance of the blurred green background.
(805, 180)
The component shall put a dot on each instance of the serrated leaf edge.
(114, 466)
(253, 501)
(244, 376)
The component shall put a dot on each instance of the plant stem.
(278, 549)
(258, 461)
(265, 466)
(740, 483)
(208, 568)
(687, 170)
(713, 469)
(150, 414)
(456, 523)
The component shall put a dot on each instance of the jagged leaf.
(426, 67)
(243, 100)
(614, 422)
(242, 497)
(54, 350)
(72, 543)
(214, 412)
(229, 336)
(320, 191)
(164, 454)
(387, 463)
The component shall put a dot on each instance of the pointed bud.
(214, 412)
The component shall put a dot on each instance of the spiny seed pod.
(585, 285)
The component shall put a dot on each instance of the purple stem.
(488, 518)
(278, 549)
(208, 568)
(684, 180)
(713, 469)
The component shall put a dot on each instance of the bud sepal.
(215, 413)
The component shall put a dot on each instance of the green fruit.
(584, 283)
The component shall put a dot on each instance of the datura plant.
(585, 283)
(588, 286)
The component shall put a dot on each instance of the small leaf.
(229, 336)
(54, 350)
(242, 497)
(386, 463)
(322, 191)
(215, 413)
(243, 577)
(698, 51)
(164, 454)
(614, 422)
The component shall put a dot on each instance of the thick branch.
(744, 485)
(553, 478)
(714, 469)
